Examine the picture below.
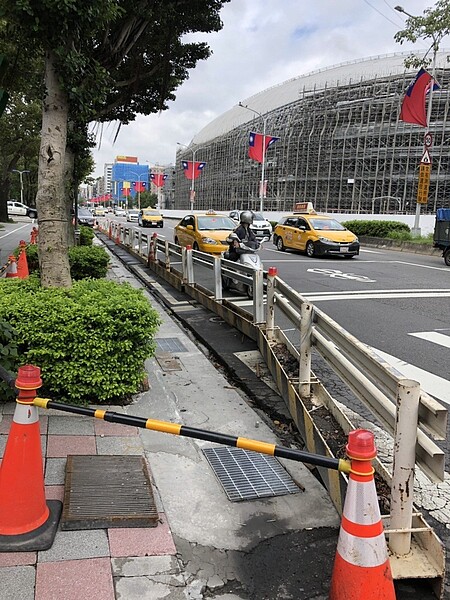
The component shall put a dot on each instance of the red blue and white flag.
(192, 170)
(413, 105)
(258, 144)
(139, 186)
(158, 179)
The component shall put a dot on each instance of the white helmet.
(246, 217)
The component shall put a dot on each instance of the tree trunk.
(50, 198)
(69, 165)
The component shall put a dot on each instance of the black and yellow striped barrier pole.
(337, 464)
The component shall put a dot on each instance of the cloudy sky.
(262, 43)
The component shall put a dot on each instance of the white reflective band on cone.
(25, 414)
(362, 552)
(361, 503)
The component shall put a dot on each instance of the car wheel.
(280, 245)
(250, 292)
(225, 283)
(447, 257)
(195, 246)
(310, 250)
(176, 241)
(32, 214)
(348, 256)
(161, 224)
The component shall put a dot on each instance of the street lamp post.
(139, 188)
(435, 46)
(192, 191)
(21, 181)
(263, 162)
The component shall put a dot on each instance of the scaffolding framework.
(341, 147)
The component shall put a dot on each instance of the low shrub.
(85, 261)
(88, 261)
(9, 357)
(86, 235)
(379, 229)
(90, 341)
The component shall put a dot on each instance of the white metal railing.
(411, 416)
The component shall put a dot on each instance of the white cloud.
(262, 43)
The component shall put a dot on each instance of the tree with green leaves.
(431, 26)
(104, 60)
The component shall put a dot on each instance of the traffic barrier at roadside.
(12, 267)
(200, 434)
(22, 263)
(361, 567)
(34, 234)
(27, 521)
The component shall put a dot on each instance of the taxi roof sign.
(304, 207)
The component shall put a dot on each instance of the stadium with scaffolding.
(341, 144)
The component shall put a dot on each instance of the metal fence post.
(306, 317)
(258, 296)
(218, 294)
(270, 307)
(167, 254)
(402, 487)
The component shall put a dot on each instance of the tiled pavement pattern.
(82, 565)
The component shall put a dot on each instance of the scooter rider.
(242, 233)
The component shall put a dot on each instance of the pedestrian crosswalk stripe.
(433, 336)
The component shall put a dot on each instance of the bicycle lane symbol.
(337, 274)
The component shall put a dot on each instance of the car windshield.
(84, 212)
(133, 212)
(216, 223)
(258, 217)
(151, 211)
(326, 224)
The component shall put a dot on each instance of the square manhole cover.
(107, 491)
(247, 475)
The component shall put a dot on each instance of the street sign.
(428, 140)
(424, 183)
(426, 158)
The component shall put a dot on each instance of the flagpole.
(263, 162)
(192, 190)
(415, 231)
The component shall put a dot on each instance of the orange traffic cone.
(27, 522)
(361, 567)
(22, 263)
(12, 268)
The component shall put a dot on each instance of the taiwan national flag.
(256, 147)
(139, 186)
(125, 191)
(158, 179)
(192, 169)
(413, 105)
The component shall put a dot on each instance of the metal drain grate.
(107, 491)
(170, 345)
(247, 475)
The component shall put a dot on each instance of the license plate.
(343, 248)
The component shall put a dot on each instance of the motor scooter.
(248, 258)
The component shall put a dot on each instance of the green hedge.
(85, 261)
(380, 229)
(90, 341)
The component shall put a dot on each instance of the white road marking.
(374, 296)
(432, 384)
(433, 336)
(14, 231)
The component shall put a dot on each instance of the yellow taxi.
(314, 234)
(206, 232)
(150, 217)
